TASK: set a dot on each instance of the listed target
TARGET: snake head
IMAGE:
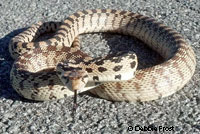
(75, 78)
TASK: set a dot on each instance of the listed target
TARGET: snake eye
(66, 79)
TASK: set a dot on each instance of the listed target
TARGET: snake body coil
(33, 74)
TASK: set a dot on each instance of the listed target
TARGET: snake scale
(34, 74)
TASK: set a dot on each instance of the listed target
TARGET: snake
(53, 68)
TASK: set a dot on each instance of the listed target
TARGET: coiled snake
(37, 70)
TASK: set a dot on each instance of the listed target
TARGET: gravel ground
(180, 111)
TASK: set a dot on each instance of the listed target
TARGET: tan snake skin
(33, 74)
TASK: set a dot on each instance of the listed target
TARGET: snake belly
(149, 84)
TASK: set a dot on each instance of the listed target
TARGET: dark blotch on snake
(117, 68)
(132, 56)
(103, 10)
(101, 62)
(71, 68)
(62, 89)
(24, 45)
(57, 38)
(118, 76)
(113, 11)
(94, 10)
(65, 95)
(77, 15)
(122, 12)
(116, 60)
(52, 97)
(102, 69)
(133, 64)
(85, 12)
(95, 78)
(70, 19)
(89, 70)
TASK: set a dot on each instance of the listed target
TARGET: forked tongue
(77, 80)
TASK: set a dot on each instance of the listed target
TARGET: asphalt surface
(179, 113)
